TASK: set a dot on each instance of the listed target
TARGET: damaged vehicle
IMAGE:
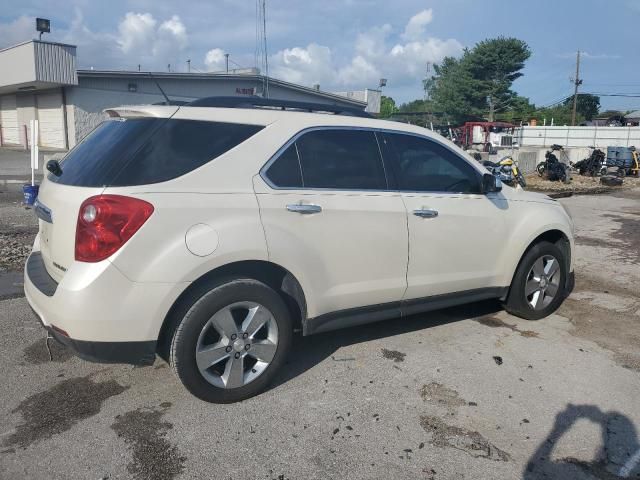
(209, 233)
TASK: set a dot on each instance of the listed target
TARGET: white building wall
(26, 111)
(601, 137)
(373, 98)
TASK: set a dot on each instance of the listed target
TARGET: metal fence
(600, 137)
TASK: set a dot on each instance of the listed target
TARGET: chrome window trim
(275, 156)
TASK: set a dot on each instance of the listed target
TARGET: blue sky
(350, 44)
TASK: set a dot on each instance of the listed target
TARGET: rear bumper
(97, 312)
(134, 353)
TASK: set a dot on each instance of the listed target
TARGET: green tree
(418, 105)
(517, 109)
(387, 107)
(588, 106)
(479, 82)
(454, 90)
(559, 114)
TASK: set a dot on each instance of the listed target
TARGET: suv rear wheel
(232, 341)
(538, 287)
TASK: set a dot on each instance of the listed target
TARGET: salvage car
(210, 233)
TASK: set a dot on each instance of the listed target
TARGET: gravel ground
(578, 184)
(18, 227)
(463, 393)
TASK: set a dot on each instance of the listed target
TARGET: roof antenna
(160, 88)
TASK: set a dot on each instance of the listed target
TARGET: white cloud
(137, 33)
(19, 30)
(214, 60)
(589, 56)
(599, 56)
(306, 66)
(411, 58)
(415, 28)
(373, 42)
(171, 39)
(360, 72)
(374, 56)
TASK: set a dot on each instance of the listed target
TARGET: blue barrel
(30, 193)
(619, 157)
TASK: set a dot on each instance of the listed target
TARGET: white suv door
(330, 219)
(455, 231)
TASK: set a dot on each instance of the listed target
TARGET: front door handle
(425, 213)
(304, 208)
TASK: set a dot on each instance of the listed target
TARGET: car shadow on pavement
(306, 352)
(618, 456)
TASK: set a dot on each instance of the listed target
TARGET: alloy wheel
(543, 282)
(237, 344)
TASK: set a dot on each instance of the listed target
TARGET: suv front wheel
(538, 286)
(232, 341)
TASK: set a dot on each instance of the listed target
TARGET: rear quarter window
(142, 151)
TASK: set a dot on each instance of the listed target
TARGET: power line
(557, 102)
(629, 95)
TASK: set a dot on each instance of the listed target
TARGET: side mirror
(491, 183)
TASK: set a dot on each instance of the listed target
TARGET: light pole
(43, 25)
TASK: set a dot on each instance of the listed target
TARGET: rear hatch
(86, 170)
(133, 148)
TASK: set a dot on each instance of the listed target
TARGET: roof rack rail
(259, 102)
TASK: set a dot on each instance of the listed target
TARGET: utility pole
(425, 85)
(577, 82)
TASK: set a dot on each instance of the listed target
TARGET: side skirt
(386, 311)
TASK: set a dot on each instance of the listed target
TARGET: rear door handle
(304, 209)
(425, 213)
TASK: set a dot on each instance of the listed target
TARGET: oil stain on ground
(494, 322)
(144, 431)
(629, 234)
(37, 352)
(394, 355)
(56, 410)
(470, 442)
(438, 394)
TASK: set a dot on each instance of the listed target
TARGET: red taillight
(105, 223)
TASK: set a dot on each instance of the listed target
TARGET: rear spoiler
(136, 111)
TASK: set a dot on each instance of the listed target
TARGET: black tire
(185, 339)
(521, 180)
(516, 302)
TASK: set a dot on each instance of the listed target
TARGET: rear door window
(284, 172)
(341, 160)
(141, 151)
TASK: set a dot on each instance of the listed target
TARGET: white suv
(209, 233)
